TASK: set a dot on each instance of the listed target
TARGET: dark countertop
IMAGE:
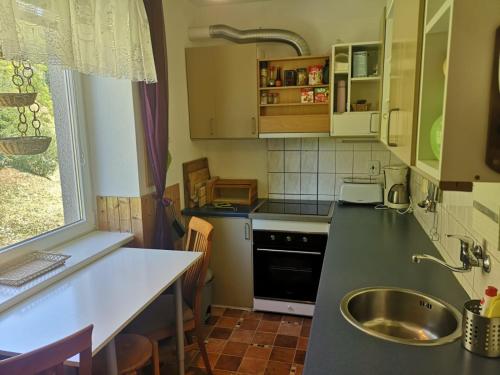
(211, 211)
(369, 247)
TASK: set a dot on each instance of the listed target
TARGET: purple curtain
(155, 118)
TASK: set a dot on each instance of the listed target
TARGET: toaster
(361, 193)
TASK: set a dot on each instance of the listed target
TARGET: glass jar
(263, 98)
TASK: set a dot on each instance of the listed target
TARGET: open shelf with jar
(294, 96)
(356, 89)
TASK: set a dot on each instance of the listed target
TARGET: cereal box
(307, 95)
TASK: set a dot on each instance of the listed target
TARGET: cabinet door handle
(254, 125)
(247, 231)
(389, 143)
(211, 124)
(371, 118)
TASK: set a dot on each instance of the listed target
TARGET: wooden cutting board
(194, 172)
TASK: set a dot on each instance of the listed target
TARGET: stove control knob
(272, 237)
(288, 239)
(304, 239)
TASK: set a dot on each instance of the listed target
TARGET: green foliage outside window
(44, 164)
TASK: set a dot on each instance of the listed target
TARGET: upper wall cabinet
(222, 91)
(356, 85)
(297, 103)
(401, 79)
(456, 76)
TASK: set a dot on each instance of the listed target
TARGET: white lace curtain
(101, 37)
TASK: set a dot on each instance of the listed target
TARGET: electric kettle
(396, 193)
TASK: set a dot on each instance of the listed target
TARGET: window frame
(76, 121)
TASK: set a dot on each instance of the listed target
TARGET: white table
(108, 293)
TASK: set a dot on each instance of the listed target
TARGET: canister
(360, 64)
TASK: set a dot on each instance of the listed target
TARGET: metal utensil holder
(481, 335)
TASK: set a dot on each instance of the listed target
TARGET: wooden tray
(242, 192)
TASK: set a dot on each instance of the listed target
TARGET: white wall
(455, 215)
(111, 121)
(320, 22)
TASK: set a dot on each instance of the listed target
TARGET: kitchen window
(45, 199)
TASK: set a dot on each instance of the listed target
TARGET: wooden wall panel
(134, 215)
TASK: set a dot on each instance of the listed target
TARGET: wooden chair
(133, 352)
(50, 358)
(151, 322)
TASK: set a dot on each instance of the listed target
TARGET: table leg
(111, 363)
(179, 325)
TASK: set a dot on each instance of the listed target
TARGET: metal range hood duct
(251, 36)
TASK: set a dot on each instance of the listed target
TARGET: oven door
(291, 275)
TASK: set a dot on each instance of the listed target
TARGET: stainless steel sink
(402, 315)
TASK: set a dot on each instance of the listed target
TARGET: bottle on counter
(490, 293)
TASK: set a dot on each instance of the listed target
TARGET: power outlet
(374, 167)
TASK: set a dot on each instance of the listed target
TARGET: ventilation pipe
(251, 36)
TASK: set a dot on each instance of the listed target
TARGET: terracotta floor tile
(264, 338)
(282, 354)
(286, 341)
(298, 369)
(206, 331)
(272, 317)
(268, 326)
(221, 333)
(234, 313)
(212, 358)
(195, 371)
(217, 311)
(222, 372)
(300, 356)
(303, 342)
(248, 343)
(307, 322)
(215, 345)
(305, 331)
(249, 324)
(258, 352)
(242, 335)
(212, 320)
(292, 319)
(252, 366)
(237, 349)
(252, 315)
(227, 322)
(278, 368)
(228, 363)
(290, 329)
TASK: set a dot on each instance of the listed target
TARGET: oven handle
(291, 251)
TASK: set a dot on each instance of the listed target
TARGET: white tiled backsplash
(454, 216)
(314, 168)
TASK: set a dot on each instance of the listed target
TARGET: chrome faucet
(471, 255)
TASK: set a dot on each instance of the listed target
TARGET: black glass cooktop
(295, 207)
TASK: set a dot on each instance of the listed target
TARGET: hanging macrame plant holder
(23, 144)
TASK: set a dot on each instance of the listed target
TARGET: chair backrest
(50, 358)
(199, 239)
